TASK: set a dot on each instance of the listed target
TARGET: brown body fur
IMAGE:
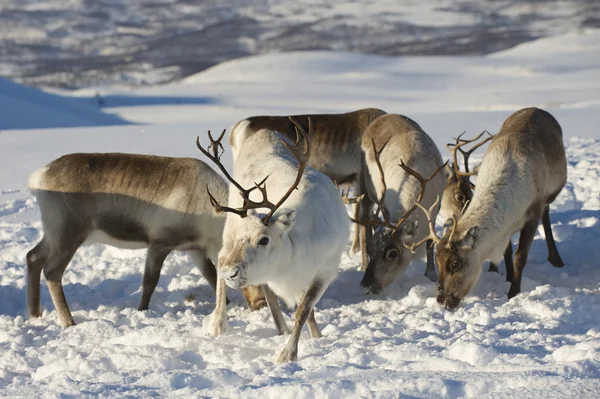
(126, 200)
(522, 172)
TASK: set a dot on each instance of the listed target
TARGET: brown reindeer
(128, 201)
(398, 153)
(522, 172)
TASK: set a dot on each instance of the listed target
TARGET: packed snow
(543, 343)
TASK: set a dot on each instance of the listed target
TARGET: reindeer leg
(314, 292)
(508, 262)
(553, 255)
(53, 271)
(355, 246)
(36, 259)
(364, 209)
(430, 270)
(313, 326)
(218, 318)
(525, 240)
(155, 258)
(273, 303)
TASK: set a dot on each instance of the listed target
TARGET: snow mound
(28, 108)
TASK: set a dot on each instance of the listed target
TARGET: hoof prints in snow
(399, 342)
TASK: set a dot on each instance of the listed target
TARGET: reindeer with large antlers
(522, 172)
(398, 154)
(336, 152)
(291, 248)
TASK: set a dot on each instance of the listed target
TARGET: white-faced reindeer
(128, 201)
(336, 150)
(294, 249)
(522, 172)
(398, 153)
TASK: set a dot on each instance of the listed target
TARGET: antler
(214, 146)
(466, 154)
(423, 182)
(432, 234)
(302, 158)
(380, 204)
(344, 195)
(248, 204)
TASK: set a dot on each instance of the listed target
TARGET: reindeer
(462, 188)
(336, 151)
(522, 172)
(128, 201)
(397, 152)
(294, 249)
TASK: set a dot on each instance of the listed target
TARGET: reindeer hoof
(217, 324)
(287, 356)
(555, 260)
(431, 275)
(67, 322)
(513, 292)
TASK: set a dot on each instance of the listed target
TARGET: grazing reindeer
(398, 152)
(459, 188)
(336, 150)
(522, 172)
(128, 201)
(294, 250)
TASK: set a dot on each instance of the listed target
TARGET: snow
(543, 343)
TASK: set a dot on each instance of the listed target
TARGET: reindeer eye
(263, 241)
(391, 254)
(460, 197)
(455, 266)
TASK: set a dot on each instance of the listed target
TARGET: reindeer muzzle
(235, 277)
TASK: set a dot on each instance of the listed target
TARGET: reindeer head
(388, 256)
(459, 188)
(254, 242)
(251, 249)
(458, 263)
(457, 192)
(389, 249)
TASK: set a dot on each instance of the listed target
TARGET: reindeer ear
(469, 239)
(286, 218)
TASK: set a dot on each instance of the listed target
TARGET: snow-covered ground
(544, 343)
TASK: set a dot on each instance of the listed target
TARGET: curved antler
(432, 234)
(466, 154)
(345, 195)
(302, 158)
(215, 146)
(380, 204)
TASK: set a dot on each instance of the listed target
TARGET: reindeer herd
(277, 226)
